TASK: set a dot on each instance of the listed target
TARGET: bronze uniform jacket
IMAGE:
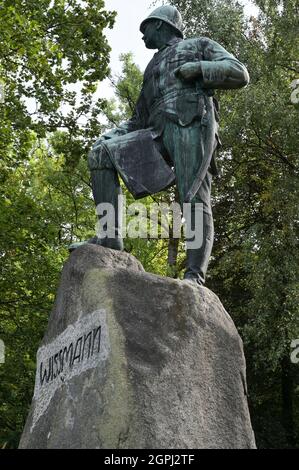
(164, 95)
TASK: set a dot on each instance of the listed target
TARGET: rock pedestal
(132, 360)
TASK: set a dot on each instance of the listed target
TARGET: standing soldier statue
(173, 134)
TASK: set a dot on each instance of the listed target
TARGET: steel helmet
(168, 14)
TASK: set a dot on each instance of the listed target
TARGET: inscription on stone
(75, 352)
(82, 346)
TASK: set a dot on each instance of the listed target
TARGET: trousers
(185, 147)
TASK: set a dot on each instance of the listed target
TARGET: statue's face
(150, 35)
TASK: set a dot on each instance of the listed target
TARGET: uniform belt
(173, 94)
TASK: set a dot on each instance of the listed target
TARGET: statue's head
(165, 19)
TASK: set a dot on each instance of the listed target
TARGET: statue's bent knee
(98, 158)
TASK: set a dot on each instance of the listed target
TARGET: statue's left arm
(218, 69)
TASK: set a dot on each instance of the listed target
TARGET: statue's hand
(110, 134)
(189, 71)
(116, 132)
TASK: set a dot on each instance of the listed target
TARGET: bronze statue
(173, 135)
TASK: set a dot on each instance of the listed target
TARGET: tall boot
(198, 258)
(106, 189)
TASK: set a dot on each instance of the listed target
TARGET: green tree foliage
(46, 48)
